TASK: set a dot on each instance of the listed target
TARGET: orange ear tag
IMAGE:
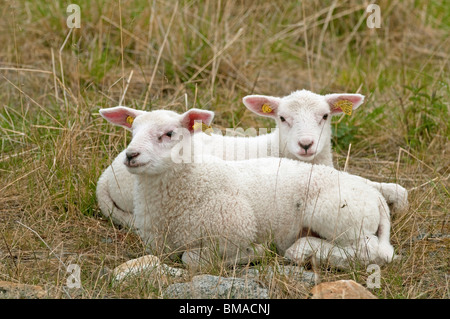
(266, 108)
(345, 105)
(202, 126)
(130, 120)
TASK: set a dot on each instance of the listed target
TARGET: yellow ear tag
(345, 105)
(266, 108)
(202, 126)
(130, 120)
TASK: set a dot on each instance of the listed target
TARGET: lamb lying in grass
(230, 208)
(304, 122)
(304, 133)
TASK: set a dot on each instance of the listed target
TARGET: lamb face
(304, 124)
(303, 118)
(153, 138)
(154, 135)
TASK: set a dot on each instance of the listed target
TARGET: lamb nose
(305, 146)
(131, 155)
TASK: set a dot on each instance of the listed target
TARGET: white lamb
(231, 207)
(304, 122)
(304, 133)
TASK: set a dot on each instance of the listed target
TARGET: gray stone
(106, 240)
(214, 287)
(293, 272)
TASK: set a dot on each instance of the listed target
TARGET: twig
(430, 181)
(7, 157)
(54, 75)
(62, 69)
(186, 101)
(126, 88)
(25, 70)
(405, 151)
(160, 54)
(238, 34)
(10, 254)
(130, 34)
(348, 157)
(308, 58)
(324, 28)
(18, 179)
(39, 236)
(121, 42)
(31, 99)
(51, 251)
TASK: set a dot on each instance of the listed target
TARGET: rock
(106, 240)
(148, 263)
(11, 290)
(293, 272)
(214, 287)
(342, 289)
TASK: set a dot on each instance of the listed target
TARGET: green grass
(54, 145)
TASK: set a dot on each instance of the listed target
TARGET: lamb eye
(282, 119)
(325, 116)
(169, 134)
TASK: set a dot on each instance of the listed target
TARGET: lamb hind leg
(396, 196)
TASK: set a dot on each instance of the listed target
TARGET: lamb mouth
(306, 155)
(135, 165)
(308, 232)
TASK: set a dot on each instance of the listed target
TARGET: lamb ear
(344, 103)
(190, 117)
(120, 115)
(262, 104)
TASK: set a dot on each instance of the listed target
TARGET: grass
(54, 145)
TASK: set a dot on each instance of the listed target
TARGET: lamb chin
(306, 157)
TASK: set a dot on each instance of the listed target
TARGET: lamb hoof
(386, 253)
(299, 254)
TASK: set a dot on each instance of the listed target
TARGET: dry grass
(54, 145)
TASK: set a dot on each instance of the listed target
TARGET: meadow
(209, 54)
